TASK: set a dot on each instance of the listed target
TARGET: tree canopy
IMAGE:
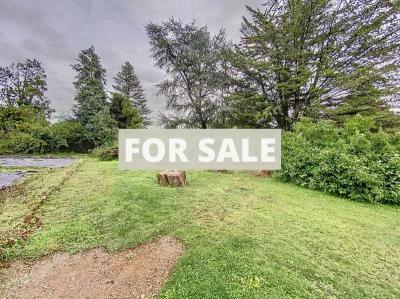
(303, 57)
(24, 83)
(196, 78)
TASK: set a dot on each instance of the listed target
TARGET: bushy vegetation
(106, 152)
(66, 136)
(25, 130)
(357, 161)
(21, 129)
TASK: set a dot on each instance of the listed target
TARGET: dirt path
(136, 273)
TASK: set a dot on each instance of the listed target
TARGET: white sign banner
(186, 149)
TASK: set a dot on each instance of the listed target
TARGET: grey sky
(54, 31)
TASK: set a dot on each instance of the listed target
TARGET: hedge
(358, 161)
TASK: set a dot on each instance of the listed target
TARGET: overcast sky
(54, 31)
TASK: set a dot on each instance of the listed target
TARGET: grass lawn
(245, 237)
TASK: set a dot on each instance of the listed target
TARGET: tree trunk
(172, 178)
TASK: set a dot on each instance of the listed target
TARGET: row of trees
(99, 115)
(25, 107)
(324, 59)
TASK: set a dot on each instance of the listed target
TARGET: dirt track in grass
(136, 273)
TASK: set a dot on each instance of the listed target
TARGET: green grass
(245, 237)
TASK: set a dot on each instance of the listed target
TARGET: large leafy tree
(127, 83)
(24, 84)
(91, 108)
(123, 112)
(306, 57)
(192, 60)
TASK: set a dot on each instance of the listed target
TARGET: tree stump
(172, 178)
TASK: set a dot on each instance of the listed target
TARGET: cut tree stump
(172, 178)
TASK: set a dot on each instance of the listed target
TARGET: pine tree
(127, 83)
(91, 108)
(302, 57)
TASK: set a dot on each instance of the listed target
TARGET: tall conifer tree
(91, 108)
(127, 83)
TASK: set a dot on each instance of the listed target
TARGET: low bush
(67, 136)
(357, 161)
(20, 142)
(106, 153)
(20, 129)
(24, 130)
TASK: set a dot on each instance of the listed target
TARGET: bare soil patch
(136, 273)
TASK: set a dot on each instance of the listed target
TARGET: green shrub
(20, 142)
(106, 152)
(67, 136)
(20, 130)
(357, 161)
(25, 130)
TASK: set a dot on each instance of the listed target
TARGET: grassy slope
(245, 237)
